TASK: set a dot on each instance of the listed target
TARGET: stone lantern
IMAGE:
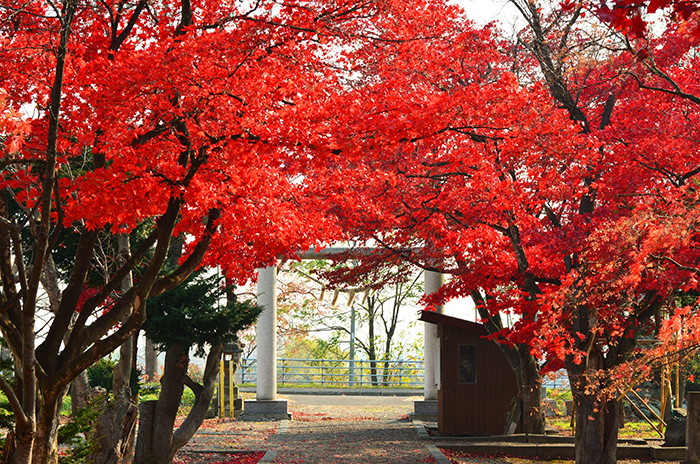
(232, 353)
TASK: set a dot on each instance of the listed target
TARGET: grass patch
(632, 429)
(638, 429)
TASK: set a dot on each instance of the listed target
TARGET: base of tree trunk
(116, 431)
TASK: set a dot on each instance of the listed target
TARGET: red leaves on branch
(233, 114)
(631, 16)
(551, 220)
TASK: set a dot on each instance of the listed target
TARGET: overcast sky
(484, 11)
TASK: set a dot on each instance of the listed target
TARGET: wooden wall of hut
(477, 383)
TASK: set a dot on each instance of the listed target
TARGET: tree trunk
(387, 353)
(597, 419)
(45, 450)
(203, 396)
(530, 382)
(116, 428)
(151, 361)
(386, 372)
(371, 343)
(22, 451)
(115, 431)
(156, 442)
(158, 450)
(81, 393)
(144, 439)
(172, 387)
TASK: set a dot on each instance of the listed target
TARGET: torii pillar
(428, 408)
(266, 405)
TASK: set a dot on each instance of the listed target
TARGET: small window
(467, 364)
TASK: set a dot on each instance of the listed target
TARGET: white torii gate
(266, 405)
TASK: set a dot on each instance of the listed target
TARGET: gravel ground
(360, 430)
(353, 430)
(349, 442)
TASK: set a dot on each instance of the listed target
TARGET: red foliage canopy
(577, 216)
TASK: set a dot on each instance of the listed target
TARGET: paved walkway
(352, 442)
(349, 429)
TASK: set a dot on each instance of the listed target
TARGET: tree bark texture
(45, 448)
(530, 383)
(203, 395)
(597, 418)
(157, 443)
(151, 361)
(115, 431)
(144, 439)
(597, 410)
(372, 343)
(81, 393)
(22, 451)
(116, 428)
(159, 449)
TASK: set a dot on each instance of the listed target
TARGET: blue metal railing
(340, 372)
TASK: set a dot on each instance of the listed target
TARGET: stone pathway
(348, 430)
(348, 442)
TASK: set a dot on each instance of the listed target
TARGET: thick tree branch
(116, 279)
(22, 419)
(82, 337)
(69, 300)
(203, 394)
(193, 260)
(118, 39)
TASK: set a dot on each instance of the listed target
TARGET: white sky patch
(484, 11)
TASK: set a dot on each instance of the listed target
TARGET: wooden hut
(477, 384)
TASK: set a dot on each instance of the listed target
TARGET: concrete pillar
(430, 337)
(266, 405)
(433, 282)
(427, 409)
(692, 429)
(266, 333)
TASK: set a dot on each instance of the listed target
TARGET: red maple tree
(200, 119)
(559, 188)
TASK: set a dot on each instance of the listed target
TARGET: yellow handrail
(222, 372)
(230, 389)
